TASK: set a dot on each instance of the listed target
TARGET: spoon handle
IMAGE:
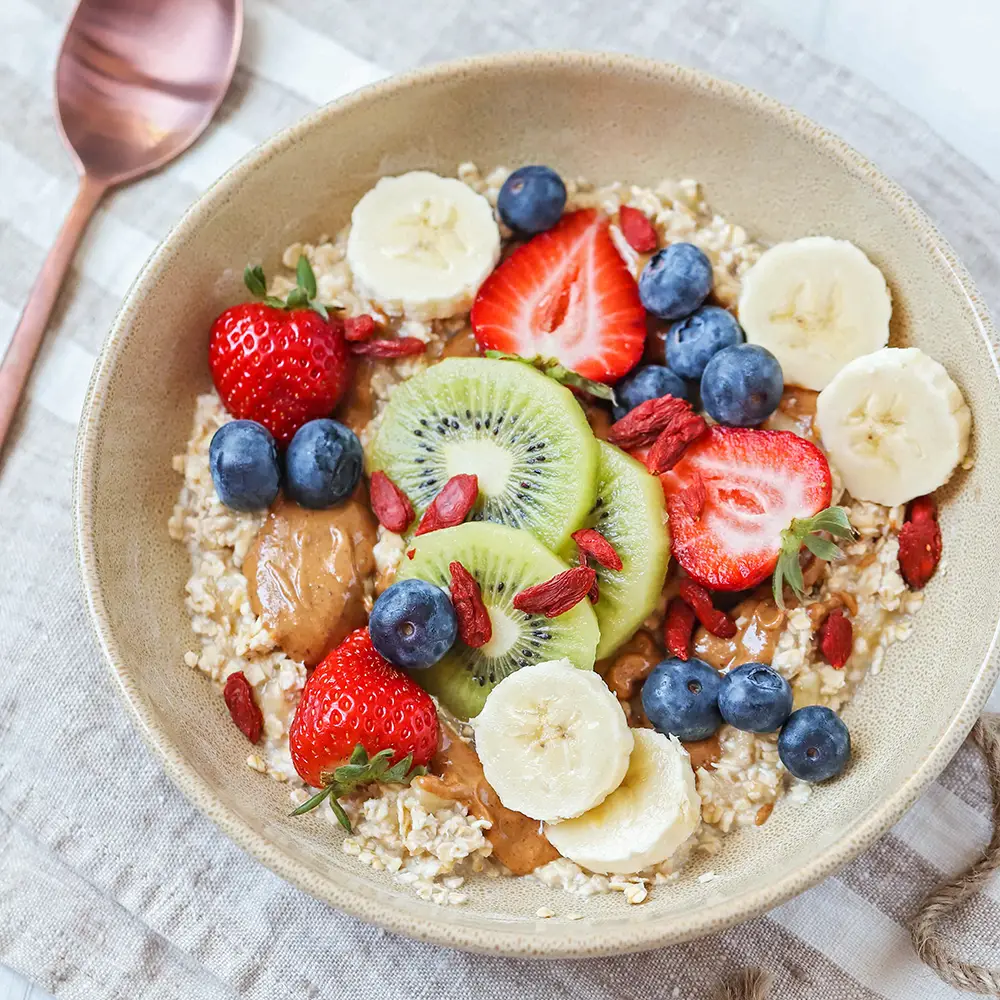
(16, 365)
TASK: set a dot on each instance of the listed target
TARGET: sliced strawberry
(755, 482)
(566, 294)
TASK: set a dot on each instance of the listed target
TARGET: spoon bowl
(137, 81)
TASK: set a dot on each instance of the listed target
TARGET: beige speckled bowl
(605, 117)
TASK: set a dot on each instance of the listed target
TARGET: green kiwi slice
(629, 511)
(503, 562)
(520, 432)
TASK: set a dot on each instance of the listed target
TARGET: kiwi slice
(520, 432)
(629, 511)
(503, 561)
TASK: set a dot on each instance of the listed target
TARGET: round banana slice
(421, 245)
(654, 810)
(815, 304)
(553, 740)
(894, 425)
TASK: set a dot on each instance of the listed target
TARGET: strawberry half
(755, 483)
(566, 294)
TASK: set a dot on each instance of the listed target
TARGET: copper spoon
(137, 81)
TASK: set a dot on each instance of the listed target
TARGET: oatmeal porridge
(482, 577)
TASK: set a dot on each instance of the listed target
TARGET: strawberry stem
(560, 373)
(359, 771)
(805, 531)
(302, 296)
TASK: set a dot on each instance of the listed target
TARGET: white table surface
(936, 60)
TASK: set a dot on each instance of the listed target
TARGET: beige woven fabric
(111, 886)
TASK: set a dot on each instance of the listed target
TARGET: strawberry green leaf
(357, 772)
(305, 278)
(297, 299)
(253, 278)
(805, 531)
(560, 373)
(274, 301)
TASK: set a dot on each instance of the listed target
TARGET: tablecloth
(111, 885)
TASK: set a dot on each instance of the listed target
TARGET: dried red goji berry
(474, 625)
(452, 505)
(836, 638)
(642, 426)
(639, 232)
(919, 551)
(677, 628)
(358, 328)
(923, 509)
(398, 348)
(592, 543)
(717, 622)
(410, 553)
(389, 503)
(673, 440)
(242, 708)
(556, 596)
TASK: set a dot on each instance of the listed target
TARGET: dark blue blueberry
(755, 698)
(814, 744)
(742, 385)
(244, 462)
(413, 624)
(648, 382)
(532, 200)
(692, 342)
(682, 697)
(675, 281)
(322, 464)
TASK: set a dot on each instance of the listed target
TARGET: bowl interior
(604, 118)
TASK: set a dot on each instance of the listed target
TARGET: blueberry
(648, 382)
(814, 744)
(413, 624)
(755, 698)
(742, 385)
(675, 281)
(692, 342)
(532, 200)
(322, 464)
(243, 459)
(682, 697)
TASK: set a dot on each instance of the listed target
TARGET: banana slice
(894, 425)
(815, 304)
(553, 740)
(654, 810)
(421, 245)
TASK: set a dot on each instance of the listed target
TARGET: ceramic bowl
(605, 117)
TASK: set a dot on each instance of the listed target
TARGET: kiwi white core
(505, 633)
(486, 460)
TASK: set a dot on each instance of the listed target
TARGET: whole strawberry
(279, 363)
(360, 720)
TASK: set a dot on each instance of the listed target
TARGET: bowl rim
(521, 938)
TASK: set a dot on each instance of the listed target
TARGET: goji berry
(642, 426)
(836, 638)
(474, 625)
(639, 232)
(717, 622)
(242, 708)
(673, 440)
(919, 551)
(556, 596)
(358, 328)
(592, 543)
(452, 505)
(677, 628)
(389, 503)
(398, 348)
